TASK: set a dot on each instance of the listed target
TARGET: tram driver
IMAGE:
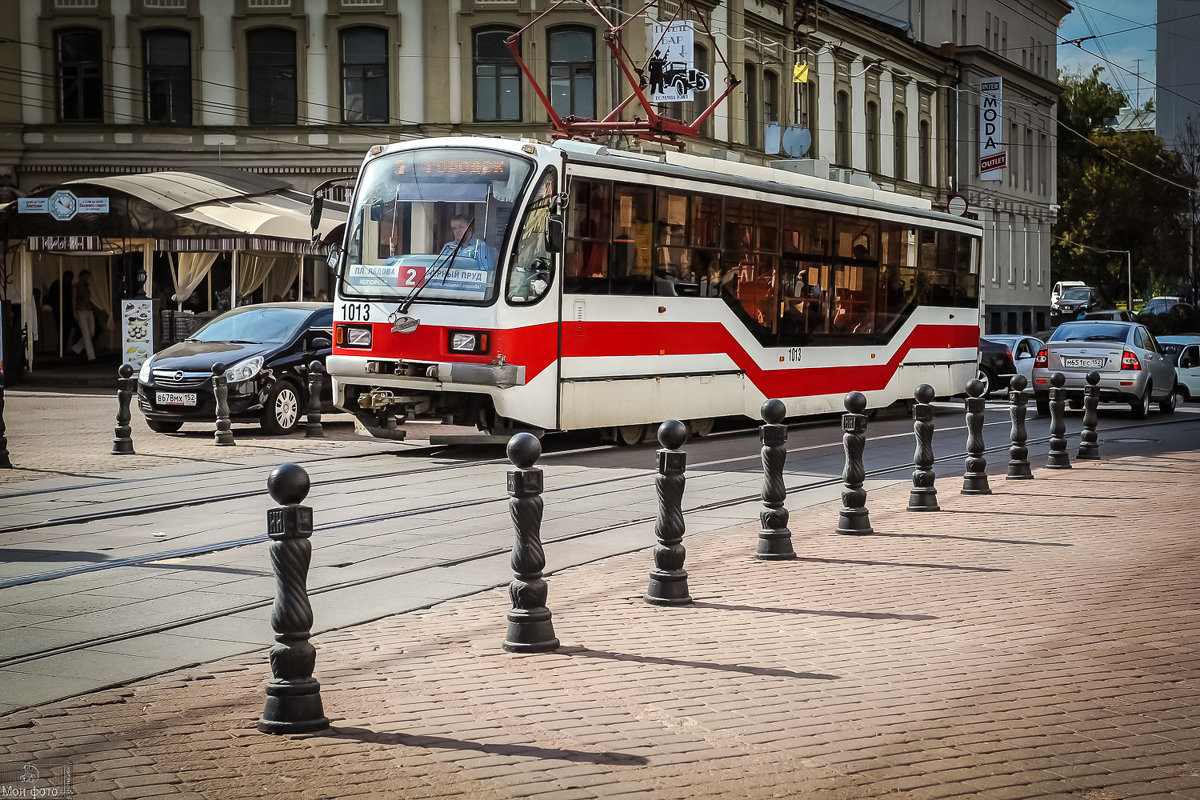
(474, 247)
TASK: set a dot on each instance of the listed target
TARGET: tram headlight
(469, 342)
(352, 336)
(244, 370)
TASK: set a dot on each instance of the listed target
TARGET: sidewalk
(1038, 642)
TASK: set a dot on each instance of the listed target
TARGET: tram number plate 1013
(356, 312)
(793, 354)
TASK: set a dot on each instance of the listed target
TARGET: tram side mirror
(554, 233)
(314, 211)
(334, 260)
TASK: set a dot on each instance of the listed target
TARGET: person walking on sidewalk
(85, 318)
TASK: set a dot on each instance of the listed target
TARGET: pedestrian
(85, 317)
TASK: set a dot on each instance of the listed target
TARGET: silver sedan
(1133, 368)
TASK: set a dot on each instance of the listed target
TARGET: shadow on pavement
(898, 563)
(440, 742)
(823, 613)
(983, 539)
(675, 662)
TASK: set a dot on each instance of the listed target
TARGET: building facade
(1177, 61)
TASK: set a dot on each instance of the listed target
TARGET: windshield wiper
(438, 266)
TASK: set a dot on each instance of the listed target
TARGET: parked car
(1133, 367)
(1075, 302)
(1184, 352)
(1165, 316)
(1001, 356)
(1110, 313)
(1158, 305)
(263, 347)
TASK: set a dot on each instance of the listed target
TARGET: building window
(899, 146)
(167, 67)
(750, 104)
(1043, 163)
(923, 150)
(573, 72)
(364, 57)
(497, 77)
(703, 99)
(271, 65)
(872, 137)
(770, 101)
(841, 129)
(79, 80)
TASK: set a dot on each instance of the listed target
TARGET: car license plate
(175, 398)
(1083, 362)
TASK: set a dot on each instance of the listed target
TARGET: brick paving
(1038, 642)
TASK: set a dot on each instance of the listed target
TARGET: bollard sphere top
(924, 394)
(672, 434)
(126, 370)
(523, 450)
(975, 387)
(856, 402)
(316, 366)
(1057, 380)
(1017, 383)
(1093, 378)
(288, 484)
(219, 368)
(773, 411)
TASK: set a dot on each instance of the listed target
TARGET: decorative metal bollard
(975, 479)
(294, 695)
(5, 461)
(775, 540)
(529, 627)
(854, 519)
(1018, 453)
(668, 579)
(313, 429)
(923, 496)
(224, 433)
(1089, 447)
(1058, 457)
(126, 385)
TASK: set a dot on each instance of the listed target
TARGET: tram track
(792, 490)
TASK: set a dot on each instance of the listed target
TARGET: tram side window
(750, 263)
(897, 276)
(633, 237)
(705, 236)
(806, 232)
(855, 285)
(966, 273)
(588, 240)
(532, 268)
(672, 257)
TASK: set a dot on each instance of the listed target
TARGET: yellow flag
(800, 73)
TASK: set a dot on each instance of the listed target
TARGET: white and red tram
(525, 286)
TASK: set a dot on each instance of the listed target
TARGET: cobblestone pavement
(1043, 641)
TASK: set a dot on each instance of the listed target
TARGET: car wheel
(1141, 408)
(163, 426)
(281, 411)
(1043, 405)
(1168, 403)
(988, 379)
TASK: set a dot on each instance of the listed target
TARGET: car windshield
(1090, 332)
(1077, 293)
(254, 325)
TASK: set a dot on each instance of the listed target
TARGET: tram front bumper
(435, 376)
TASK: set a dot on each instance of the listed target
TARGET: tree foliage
(1118, 191)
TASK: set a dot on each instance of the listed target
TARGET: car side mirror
(1023, 356)
(321, 343)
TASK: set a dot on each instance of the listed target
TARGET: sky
(1123, 48)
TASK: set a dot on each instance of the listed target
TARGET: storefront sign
(993, 157)
(62, 205)
(671, 69)
(137, 331)
(36, 243)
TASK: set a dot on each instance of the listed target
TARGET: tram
(517, 285)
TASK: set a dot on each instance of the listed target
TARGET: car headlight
(144, 372)
(244, 370)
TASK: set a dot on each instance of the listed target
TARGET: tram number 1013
(793, 354)
(356, 312)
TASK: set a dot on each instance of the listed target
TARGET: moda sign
(993, 158)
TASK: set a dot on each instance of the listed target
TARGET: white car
(1185, 352)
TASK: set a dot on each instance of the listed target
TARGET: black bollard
(224, 433)
(1058, 457)
(775, 540)
(668, 579)
(923, 496)
(1018, 453)
(854, 519)
(294, 696)
(313, 429)
(529, 627)
(122, 442)
(1089, 447)
(975, 479)
(5, 461)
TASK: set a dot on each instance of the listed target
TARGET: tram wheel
(701, 427)
(629, 435)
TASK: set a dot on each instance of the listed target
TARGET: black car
(262, 347)
(1074, 302)
(1001, 356)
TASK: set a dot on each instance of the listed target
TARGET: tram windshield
(432, 221)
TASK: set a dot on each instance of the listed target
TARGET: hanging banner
(993, 157)
(671, 68)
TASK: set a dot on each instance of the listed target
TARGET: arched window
(872, 137)
(363, 53)
(573, 72)
(79, 79)
(923, 152)
(841, 129)
(167, 67)
(497, 77)
(899, 146)
(770, 101)
(271, 76)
